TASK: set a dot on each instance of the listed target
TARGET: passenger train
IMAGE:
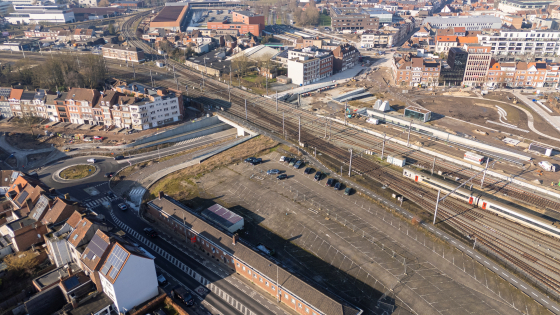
(534, 220)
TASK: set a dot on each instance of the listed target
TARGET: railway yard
(364, 248)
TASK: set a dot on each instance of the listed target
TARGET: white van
(91, 160)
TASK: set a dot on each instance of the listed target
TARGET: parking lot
(352, 246)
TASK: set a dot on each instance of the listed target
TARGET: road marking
(534, 293)
(494, 267)
(504, 274)
(544, 301)
(523, 287)
(469, 251)
(513, 280)
(486, 262)
(555, 308)
(461, 246)
(477, 256)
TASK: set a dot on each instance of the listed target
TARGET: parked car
(119, 157)
(97, 138)
(122, 206)
(330, 182)
(273, 172)
(308, 170)
(91, 160)
(67, 149)
(109, 175)
(282, 158)
(256, 161)
(161, 280)
(111, 195)
(348, 191)
(337, 186)
(292, 162)
(318, 176)
(281, 176)
(298, 164)
(150, 232)
(183, 294)
(249, 160)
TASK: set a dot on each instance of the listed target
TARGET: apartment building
(416, 71)
(244, 21)
(79, 103)
(345, 56)
(5, 109)
(522, 42)
(444, 43)
(39, 108)
(126, 53)
(513, 6)
(351, 18)
(309, 65)
(453, 69)
(377, 39)
(470, 23)
(150, 107)
(478, 62)
(56, 107)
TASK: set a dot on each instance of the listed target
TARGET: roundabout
(75, 172)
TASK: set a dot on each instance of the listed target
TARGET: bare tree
(241, 64)
(21, 262)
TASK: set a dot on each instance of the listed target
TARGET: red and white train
(543, 223)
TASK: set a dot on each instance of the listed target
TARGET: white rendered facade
(537, 42)
(24, 14)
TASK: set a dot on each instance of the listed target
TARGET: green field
(324, 20)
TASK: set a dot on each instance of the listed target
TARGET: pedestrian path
(195, 275)
(137, 191)
(188, 141)
(96, 202)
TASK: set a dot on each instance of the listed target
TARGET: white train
(534, 220)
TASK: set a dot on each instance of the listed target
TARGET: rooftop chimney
(19, 188)
(69, 270)
(160, 195)
(235, 238)
(67, 196)
(28, 203)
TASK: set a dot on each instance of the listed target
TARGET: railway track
(489, 230)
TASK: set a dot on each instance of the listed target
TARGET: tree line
(57, 72)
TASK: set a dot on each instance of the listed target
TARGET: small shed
(283, 79)
(397, 160)
(418, 113)
(224, 218)
(541, 149)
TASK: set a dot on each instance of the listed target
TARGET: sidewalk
(552, 120)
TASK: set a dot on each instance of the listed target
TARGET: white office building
(512, 6)
(24, 14)
(520, 42)
(470, 23)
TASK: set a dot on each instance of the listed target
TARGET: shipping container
(396, 160)
(473, 157)
(547, 166)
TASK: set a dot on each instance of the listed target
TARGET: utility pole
(350, 165)
(299, 129)
(433, 165)
(151, 78)
(134, 71)
(276, 101)
(484, 174)
(408, 139)
(299, 100)
(326, 121)
(283, 130)
(383, 148)
(437, 203)
(345, 109)
(246, 110)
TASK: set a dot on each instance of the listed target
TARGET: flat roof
(221, 215)
(168, 14)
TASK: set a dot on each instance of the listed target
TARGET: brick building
(238, 255)
(126, 53)
(345, 56)
(244, 22)
(350, 18)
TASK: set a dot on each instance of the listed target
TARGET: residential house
(27, 104)
(309, 65)
(14, 100)
(345, 56)
(39, 109)
(79, 103)
(5, 109)
(416, 71)
(82, 34)
(444, 43)
(126, 53)
(56, 107)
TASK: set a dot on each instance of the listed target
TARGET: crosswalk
(195, 275)
(137, 191)
(188, 141)
(97, 202)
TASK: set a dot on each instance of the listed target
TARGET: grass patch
(250, 78)
(182, 186)
(77, 171)
(324, 20)
(170, 310)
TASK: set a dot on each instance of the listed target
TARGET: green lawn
(78, 172)
(324, 20)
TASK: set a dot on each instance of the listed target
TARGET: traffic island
(77, 172)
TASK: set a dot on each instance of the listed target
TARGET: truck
(373, 121)
(183, 294)
(473, 157)
(547, 166)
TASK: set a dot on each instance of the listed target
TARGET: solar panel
(22, 197)
(116, 259)
(40, 207)
(15, 176)
(97, 247)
